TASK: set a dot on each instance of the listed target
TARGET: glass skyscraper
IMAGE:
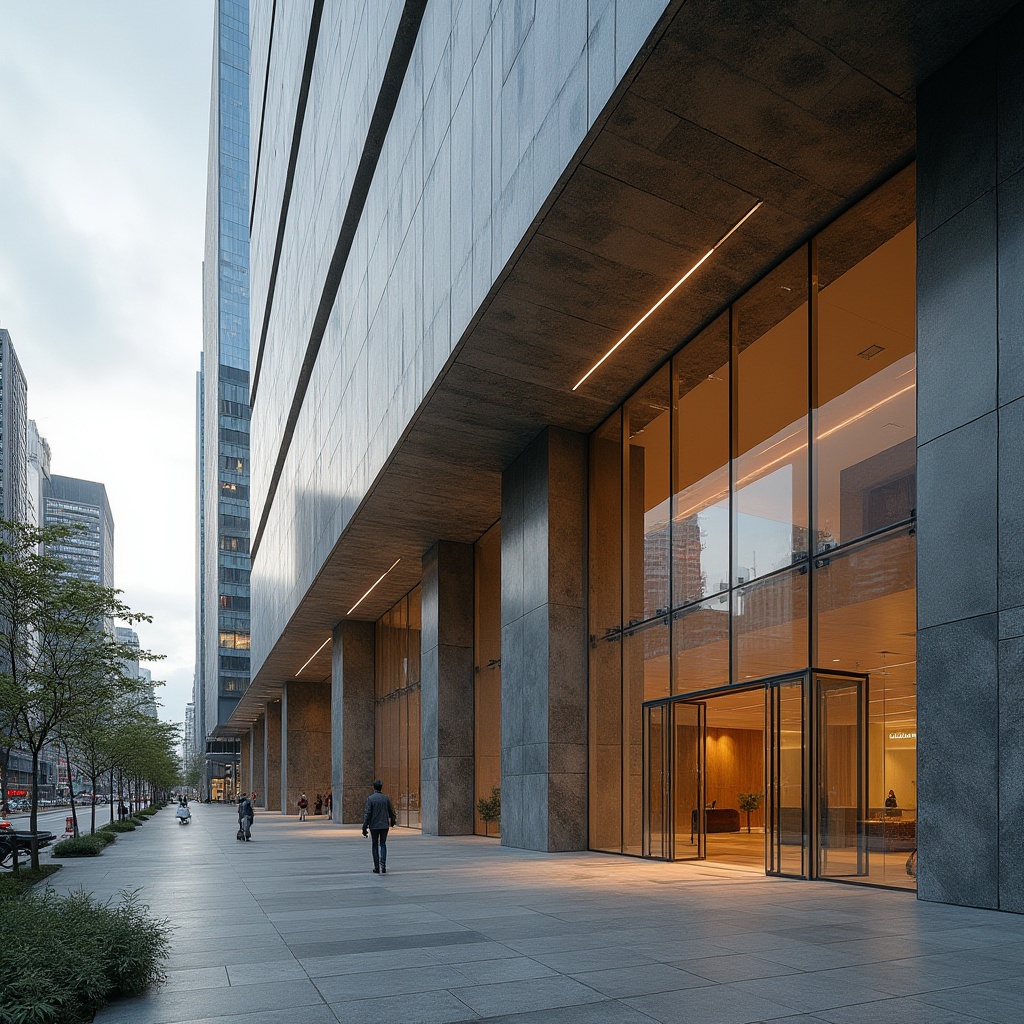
(223, 580)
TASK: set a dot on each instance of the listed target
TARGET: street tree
(59, 658)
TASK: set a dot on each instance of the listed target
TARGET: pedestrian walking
(378, 817)
(303, 804)
(329, 802)
(246, 813)
(318, 807)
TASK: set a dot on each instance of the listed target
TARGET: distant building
(38, 474)
(13, 433)
(82, 505)
(223, 584)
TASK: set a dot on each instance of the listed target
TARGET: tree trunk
(33, 820)
(94, 781)
(111, 794)
(71, 787)
(5, 760)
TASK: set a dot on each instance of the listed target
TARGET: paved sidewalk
(294, 928)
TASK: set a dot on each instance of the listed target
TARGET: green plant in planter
(490, 809)
(750, 802)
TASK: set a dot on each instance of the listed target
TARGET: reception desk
(717, 819)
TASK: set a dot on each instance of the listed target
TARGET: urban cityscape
(566, 461)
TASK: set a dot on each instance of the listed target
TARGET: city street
(293, 928)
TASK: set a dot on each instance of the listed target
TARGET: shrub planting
(83, 846)
(119, 826)
(74, 954)
(14, 883)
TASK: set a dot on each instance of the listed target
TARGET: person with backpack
(246, 814)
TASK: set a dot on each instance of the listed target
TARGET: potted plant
(489, 809)
(750, 802)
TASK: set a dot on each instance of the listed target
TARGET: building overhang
(803, 107)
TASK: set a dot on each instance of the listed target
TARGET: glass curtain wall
(487, 672)
(396, 747)
(752, 515)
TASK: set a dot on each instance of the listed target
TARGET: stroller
(183, 814)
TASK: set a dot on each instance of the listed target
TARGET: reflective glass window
(769, 626)
(646, 506)
(700, 645)
(700, 466)
(605, 508)
(770, 486)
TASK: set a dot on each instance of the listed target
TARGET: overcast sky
(104, 124)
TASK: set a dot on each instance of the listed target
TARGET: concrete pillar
(544, 645)
(446, 690)
(272, 758)
(259, 773)
(306, 742)
(245, 763)
(352, 718)
(970, 487)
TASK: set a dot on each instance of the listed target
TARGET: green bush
(83, 846)
(119, 826)
(14, 883)
(106, 838)
(147, 812)
(74, 954)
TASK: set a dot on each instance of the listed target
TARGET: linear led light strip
(370, 591)
(313, 655)
(673, 289)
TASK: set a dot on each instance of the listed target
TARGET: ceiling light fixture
(370, 591)
(672, 290)
(314, 654)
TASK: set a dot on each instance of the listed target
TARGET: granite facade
(259, 761)
(970, 482)
(274, 753)
(352, 690)
(543, 653)
(446, 690)
(305, 741)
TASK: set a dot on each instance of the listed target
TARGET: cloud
(104, 122)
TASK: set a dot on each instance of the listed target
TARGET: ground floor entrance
(775, 777)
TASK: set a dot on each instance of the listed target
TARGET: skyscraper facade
(13, 433)
(636, 416)
(83, 506)
(38, 473)
(224, 417)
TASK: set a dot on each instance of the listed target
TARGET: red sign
(17, 792)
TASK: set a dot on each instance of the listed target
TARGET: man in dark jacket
(378, 817)
(245, 816)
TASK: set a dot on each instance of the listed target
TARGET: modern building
(224, 417)
(81, 505)
(38, 474)
(14, 453)
(636, 414)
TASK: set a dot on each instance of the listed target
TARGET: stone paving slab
(293, 928)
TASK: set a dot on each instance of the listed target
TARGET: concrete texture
(352, 722)
(446, 690)
(970, 487)
(272, 757)
(306, 748)
(259, 771)
(293, 928)
(543, 662)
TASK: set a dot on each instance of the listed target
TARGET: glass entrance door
(689, 748)
(656, 839)
(841, 774)
(674, 742)
(786, 819)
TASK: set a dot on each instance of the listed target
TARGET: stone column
(306, 743)
(272, 759)
(544, 645)
(245, 763)
(259, 772)
(352, 718)
(970, 483)
(446, 715)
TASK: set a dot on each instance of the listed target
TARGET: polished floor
(293, 928)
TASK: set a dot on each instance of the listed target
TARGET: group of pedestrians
(378, 819)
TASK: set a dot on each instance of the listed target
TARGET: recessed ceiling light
(370, 591)
(871, 351)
